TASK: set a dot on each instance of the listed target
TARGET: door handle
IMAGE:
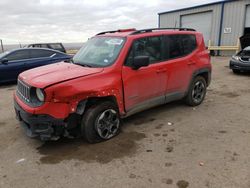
(191, 63)
(161, 70)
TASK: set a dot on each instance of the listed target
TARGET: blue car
(12, 63)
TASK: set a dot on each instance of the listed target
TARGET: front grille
(23, 91)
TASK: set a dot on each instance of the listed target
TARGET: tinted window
(44, 46)
(150, 46)
(56, 46)
(18, 55)
(179, 46)
(40, 53)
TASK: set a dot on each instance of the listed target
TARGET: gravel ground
(168, 146)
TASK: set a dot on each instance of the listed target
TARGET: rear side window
(44, 46)
(41, 53)
(149, 46)
(179, 46)
(56, 46)
(18, 55)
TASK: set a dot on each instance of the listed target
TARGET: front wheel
(100, 122)
(197, 92)
(236, 71)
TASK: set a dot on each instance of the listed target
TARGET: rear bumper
(44, 127)
(237, 65)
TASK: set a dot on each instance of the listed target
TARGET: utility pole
(1, 42)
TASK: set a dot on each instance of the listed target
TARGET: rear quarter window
(179, 45)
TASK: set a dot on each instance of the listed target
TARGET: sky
(30, 21)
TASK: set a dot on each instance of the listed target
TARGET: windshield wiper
(82, 64)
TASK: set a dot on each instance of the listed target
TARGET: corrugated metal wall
(234, 18)
(173, 19)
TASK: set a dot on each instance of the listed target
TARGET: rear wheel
(100, 122)
(197, 92)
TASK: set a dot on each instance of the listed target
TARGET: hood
(245, 41)
(55, 73)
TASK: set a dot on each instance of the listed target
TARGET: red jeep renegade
(114, 75)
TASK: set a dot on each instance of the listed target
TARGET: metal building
(221, 22)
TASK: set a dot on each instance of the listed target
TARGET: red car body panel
(66, 84)
(48, 75)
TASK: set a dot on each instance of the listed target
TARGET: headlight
(40, 94)
(237, 58)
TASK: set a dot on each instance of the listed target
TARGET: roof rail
(106, 32)
(119, 30)
(154, 29)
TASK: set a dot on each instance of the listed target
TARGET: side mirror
(4, 61)
(140, 61)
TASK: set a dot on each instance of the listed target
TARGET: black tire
(194, 100)
(91, 118)
(236, 71)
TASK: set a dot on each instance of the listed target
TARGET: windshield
(99, 52)
(3, 54)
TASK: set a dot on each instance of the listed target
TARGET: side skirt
(154, 102)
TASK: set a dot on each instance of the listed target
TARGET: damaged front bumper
(41, 126)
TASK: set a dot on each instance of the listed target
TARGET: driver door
(144, 87)
(14, 66)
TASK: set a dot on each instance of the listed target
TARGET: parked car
(55, 46)
(114, 75)
(241, 61)
(12, 63)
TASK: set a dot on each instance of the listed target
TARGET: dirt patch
(168, 164)
(169, 149)
(159, 126)
(167, 181)
(2, 123)
(123, 145)
(182, 184)
(245, 90)
(222, 132)
(142, 120)
(157, 134)
(230, 95)
(132, 176)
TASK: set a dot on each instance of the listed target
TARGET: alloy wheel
(198, 91)
(107, 124)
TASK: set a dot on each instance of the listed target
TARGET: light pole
(1, 43)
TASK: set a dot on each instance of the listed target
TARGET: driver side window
(18, 55)
(149, 46)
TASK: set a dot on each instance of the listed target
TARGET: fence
(224, 48)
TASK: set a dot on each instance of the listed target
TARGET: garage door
(201, 22)
(248, 16)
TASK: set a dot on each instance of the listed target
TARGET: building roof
(198, 6)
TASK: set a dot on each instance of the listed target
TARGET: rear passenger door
(180, 61)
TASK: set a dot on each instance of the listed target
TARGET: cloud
(28, 21)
